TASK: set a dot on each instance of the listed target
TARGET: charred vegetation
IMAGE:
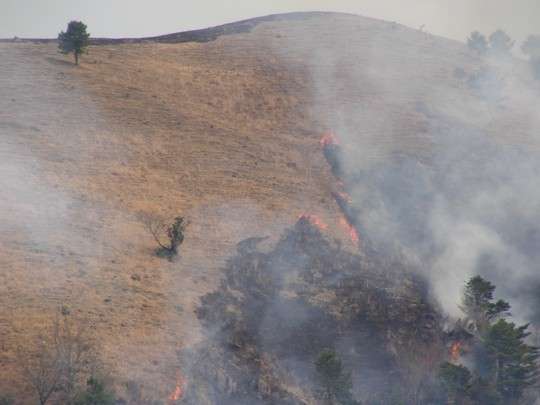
(275, 313)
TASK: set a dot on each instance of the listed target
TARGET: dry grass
(224, 133)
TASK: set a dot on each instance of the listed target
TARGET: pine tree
(479, 307)
(456, 381)
(74, 40)
(335, 384)
(513, 363)
(509, 364)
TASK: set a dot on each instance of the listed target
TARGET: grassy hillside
(224, 132)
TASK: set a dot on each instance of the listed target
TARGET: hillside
(224, 132)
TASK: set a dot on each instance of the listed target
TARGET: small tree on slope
(335, 383)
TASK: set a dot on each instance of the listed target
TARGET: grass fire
(311, 208)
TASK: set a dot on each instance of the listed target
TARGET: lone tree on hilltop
(74, 40)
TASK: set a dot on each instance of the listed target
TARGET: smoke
(440, 167)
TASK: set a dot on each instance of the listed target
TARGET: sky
(135, 18)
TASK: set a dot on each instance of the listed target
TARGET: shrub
(174, 234)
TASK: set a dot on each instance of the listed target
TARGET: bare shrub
(59, 362)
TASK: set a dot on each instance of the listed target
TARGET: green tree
(531, 47)
(513, 363)
(6, 400)
(74, 40)
(96, 393)
(500, 43)
(456, 381)
(509, 365)
(477, 42)
(335, 383)
(478, 305)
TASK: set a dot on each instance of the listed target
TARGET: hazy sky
(117, 18)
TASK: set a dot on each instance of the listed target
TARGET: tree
(477, 42)
(174, 234)
(506, 364)
(335, 384)
(6, 400)
(59, 363)
(74, 40)
(456, 380)
(513, 362)
(500, 43)
(531, 47)
(478, 305)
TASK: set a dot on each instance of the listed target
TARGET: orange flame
(327, 139)
(314, 220)
(346, 197)
(178, 392)
(455, 351)
(350, 229)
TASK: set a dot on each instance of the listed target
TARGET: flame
(353, 234)
(455, 351)
(314, 220)
(327, 139)
(346, 197)
(178, 392)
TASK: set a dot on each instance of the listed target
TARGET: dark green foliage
(74, 40)
(505, 365)
(335, 383)
(478, 304)
(482, 392)
(500, 43)
(531, 46)
(6, 400)
(174, 234)
(477, 42)
(96, 393)
(513, 363)
(455, 378)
